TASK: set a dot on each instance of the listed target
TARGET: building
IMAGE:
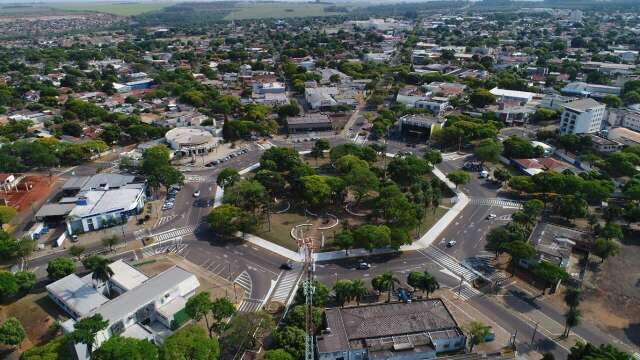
(327, 74)
(631, 119)
(419, 125)
(554, 243)
(604, 145)
(609, 68)
(191, 141)
(582, 117)
(583, 89)
(535, 166)
(624, 136)
(309, 122)
(522, 97)
(417, 330)
(326, 97)
(274, 87)
(143, 308)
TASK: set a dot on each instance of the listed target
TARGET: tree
(550, 274)
(118, 348)
(587, 351)
(516, 147)
(611, 231)
(290, 339)
(277, 354)
(361, 180)
(320, 294)
(111, 241)
(316, 190)
(60, 267)
(342, 289)
(544, 115)
(344, 240)
(477, 333)
(572, 319)
(296, 317)
(56, 349)
(488, 150)
(572, 296)
(249, 195)
(434, 157)
(86, 329)
(501, 174)
(480, 98)
(407, 169)
(227, 177)
(423, 281)
(190, 342)
(157, 168)
(221, 309)
(227, 219)
(319, 147)
(459, 177)
(272, 181)
(570, 207)
(11, 332)
(358, 290)
(605, 248)
(198, 307)
(519, 250)
(385, 282)
(8, 285)
(25, 280)
(372, 237)
(7, 213)
(76, 251)
(612, 101)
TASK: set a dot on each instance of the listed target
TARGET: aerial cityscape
(347, 180)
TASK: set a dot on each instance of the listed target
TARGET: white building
(582, 117)
(523, 97)
(631, 120)
(191, 141)
(144, 308)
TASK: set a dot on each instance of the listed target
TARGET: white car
(451, 243)
(491, 216)
(196, 193)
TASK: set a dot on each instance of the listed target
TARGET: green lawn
(277, 10)
(115, 8)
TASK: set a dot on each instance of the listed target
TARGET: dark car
(286, 266)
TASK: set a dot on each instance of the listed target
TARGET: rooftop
(582, 105)
(309, 119)
(78, 295)
(377, 321)
(104, 201)
(125, 276)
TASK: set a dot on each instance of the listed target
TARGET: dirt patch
(29, 191)
(37, 313)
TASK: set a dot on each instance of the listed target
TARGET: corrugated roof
(76, 294)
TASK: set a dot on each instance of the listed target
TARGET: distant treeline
(187, 13)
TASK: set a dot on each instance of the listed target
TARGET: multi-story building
(582, 117)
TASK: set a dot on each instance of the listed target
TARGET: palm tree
(102, 272)
(572, 297)
(343, 291)
(389, 282)
(477, 333)
(358, 290)
(572, 319)
(429, 283)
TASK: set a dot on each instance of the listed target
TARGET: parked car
(363, 266)
(286, 266)
(491, 216)
(196, 193)
(403, 295)
(451, 243)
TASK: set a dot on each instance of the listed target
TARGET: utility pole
(535, 330)
(460, 286)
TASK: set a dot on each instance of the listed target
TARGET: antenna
(309, 290)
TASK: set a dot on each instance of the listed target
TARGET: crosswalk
(452, 156)
(284, 287)
(140, 234)
(174, 233)
(504, 203)
(451, 264)
(164, 220)
(483, 263)
(466, 293)
(174, 246)
(194, 179)
(248, 304)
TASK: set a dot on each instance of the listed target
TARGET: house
(554, 243)
(309, 122)
(419, 124)
(327, 74)
(535, 166)
(624, 136)
(604, 145)
(582, 117)
(143, 308)
(420, 329)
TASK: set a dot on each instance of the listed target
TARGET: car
(363, 266)
(451, 243)
(196, 193)
(286, 266)
(404, 296)
(491, 216)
